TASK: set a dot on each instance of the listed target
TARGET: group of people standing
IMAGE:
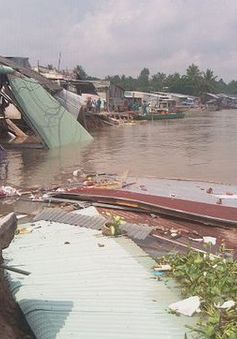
(94, 105)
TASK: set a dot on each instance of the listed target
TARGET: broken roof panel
(55, 125)
(49, 85)
(84, 285)
(134, 231)
(71, 101)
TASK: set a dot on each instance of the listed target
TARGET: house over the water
(112, 94)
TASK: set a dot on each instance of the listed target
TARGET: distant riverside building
(112, 94)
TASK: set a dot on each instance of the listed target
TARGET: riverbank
(42, 211)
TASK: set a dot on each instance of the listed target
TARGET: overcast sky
(123, 36)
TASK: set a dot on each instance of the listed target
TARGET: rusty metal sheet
(162, 226)
(211, 214)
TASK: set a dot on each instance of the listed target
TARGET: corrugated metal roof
(55, 125)
(72, 102)
(135, 231)
(59, 215)
(84, 285)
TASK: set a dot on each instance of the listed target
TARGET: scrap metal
(210, 214)
(135, 231)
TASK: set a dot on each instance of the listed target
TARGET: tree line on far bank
(193, 82)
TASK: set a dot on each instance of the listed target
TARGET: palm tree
(193, 72)
(209, 81)
(193, 80)
(209, 75)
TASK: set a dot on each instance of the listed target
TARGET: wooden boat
(160, 116)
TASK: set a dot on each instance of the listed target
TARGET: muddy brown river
(202, 146)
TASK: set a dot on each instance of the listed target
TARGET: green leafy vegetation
(114, 222)
(193, 82)
(213, 279)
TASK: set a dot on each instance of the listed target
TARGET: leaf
(233, 335)
(210, 331)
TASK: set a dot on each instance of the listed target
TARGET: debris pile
(221, 197)
(29, 114)
(198, 267)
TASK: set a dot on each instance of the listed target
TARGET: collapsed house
(29, 114)
(74, 98)
(111, 95)
(80, 98)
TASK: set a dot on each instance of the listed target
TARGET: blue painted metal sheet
(47, 117)
(83, 285)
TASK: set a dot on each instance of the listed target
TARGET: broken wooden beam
(16, 130)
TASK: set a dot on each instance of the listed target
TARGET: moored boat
(160, 116)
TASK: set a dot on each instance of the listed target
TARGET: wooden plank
(16, 130)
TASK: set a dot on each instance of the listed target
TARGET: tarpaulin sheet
(53, 123)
